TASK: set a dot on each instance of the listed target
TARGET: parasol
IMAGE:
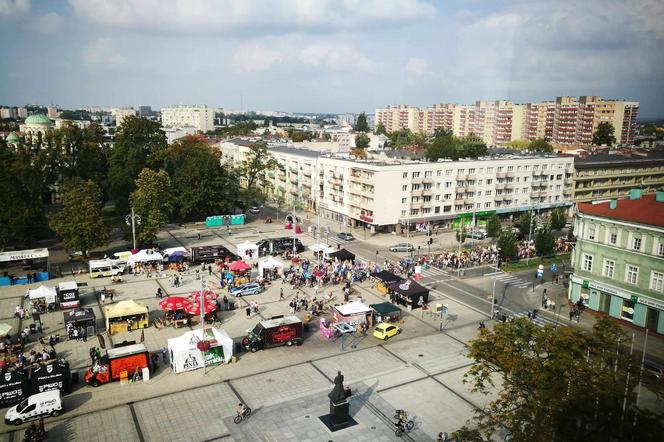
(175, 303)
(209, 295)
(194, 309)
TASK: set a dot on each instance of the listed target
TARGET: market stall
(43, 297)
(174, 308)
(13, 387)
(409, 293)
(81, 317)
(173, 254)
(68, 294)
(384, 280)
(125, 315)
(240, 272)
(144, 256)
(55, 375)
(186, 351)
(23, 266)
(386, 312)
(354, 313)
(342, 255)
(247, 250)
(270, 267)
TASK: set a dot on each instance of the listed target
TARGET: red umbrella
(208, 308)
(239, 266)
(209, 295)
(175, 303)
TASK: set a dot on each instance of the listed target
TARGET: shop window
(609, 268)
(627, 309)
(656, 281)
(631, 274)
(588, 263)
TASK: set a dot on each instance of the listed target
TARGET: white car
(255, 210)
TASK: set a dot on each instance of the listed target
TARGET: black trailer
(276, 246)
(274, 332)
(211, 254)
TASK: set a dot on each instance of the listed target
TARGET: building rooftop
(645, 210)
(605, 159)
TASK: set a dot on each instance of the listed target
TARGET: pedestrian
(199, 236)
(292, 307)
(98, 353)
(110, 295)
(281, 293)
(210, 270)
(84, 333)
(93, 355)
(571, 314)
(248, 312)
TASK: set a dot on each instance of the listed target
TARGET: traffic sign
(554, 268)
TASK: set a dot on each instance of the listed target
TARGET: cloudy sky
(329, 55)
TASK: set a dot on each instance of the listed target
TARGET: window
(405, 174)
(426, 210)
(436, 209)
(471, 171)
(627, 309)
(479, 182)
(500, 169)
(426, 198)
(656, 281)
(489, 170)
(637, 244)
(415, 199)
(448, 172)
(447, 196)
(426, 186)
(461, 171)
(416, 187)
(439, 173)
(403, 200)
(510, 168)
(591, 232)
(404, 188)
(478, 205)
(661, 249)
(479, 193)
(437, 197)
(613, 238)
(428, 173)
(488, 192)
(448, 184)
(481, 169)
(588, 263)
(609, 268)
(489, 181)
(403, 213)
(447, 209)
(416, 174)
(487, 205)
(631, 274)
(526, 168)
(458, 207)
(414, 211)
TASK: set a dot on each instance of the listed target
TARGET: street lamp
(493, 292)
(132, 220)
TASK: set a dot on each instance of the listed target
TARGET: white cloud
(336, 57)
(48, 23)
(255, 58)
(262, 16)
(102, 53)
(417, 66)
(13, 8)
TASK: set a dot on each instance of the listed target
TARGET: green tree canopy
(558, 218)
(544, 241)
(153, 202)
(493, 226)
(361, 124)
(507, 245)
(604, 135)
(362, 140)
(253, 171)
(139, 143)
(443, 145)
(540, 145)
(79, 223)
(201, 185)
(524, 224)
(558, 384)
(473, 146)
(401, 139)
(518, 144)
(380, 129)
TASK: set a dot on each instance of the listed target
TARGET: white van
(34, 407)
(105, 267)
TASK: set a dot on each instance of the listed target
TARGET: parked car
(477, 234)
(385, 331)
(255, 210)
(402, 247)
(655, 369)
(250, 288)
(346, 236)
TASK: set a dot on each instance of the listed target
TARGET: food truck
(119, 362)
(68, 294)
(273, 332)
(105, 267)
(211, 254)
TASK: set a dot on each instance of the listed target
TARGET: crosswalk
(540, 320)
(512, 280)
(434, 272)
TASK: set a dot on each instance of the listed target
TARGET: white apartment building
(201, 117)
(387, 196)
(121, 113)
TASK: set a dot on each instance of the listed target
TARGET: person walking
(209, 270)
(248, 312)
(281, 294)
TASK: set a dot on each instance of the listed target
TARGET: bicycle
(245, 414)
(404, 424)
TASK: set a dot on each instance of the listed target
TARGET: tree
(79, 223)
(524, 224)
(558, 218)
(362, 140)
(544, 241)
(443, 145)
(401, 138)
(473, 146)
(139, 143)
(153, 202)
(558, 384)
(603, 135)
(201, 185)
(361, 124)
(253, 170)
(518, 144)
(380, 129)
(493, 226)
(507, 245)
(540, 145)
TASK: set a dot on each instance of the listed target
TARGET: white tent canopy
(247, 250)
(185, 356)
(42, 291)
(145, 255)
(270, 263)
(353, 308)
(320, 247)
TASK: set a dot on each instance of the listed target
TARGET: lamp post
(132, 220)
(530, 232)
(493, 292)
(201, 304)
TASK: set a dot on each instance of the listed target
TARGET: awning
(353, 308)
(342, 255)
(79, 315)
(385, 308)
(19, 255)
(387, 278)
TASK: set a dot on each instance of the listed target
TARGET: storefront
(125, 315)
(23, 266)
(480, 219)
(618, 303)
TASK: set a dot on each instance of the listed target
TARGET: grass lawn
(516, 266)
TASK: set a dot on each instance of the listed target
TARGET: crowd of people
(455, 259)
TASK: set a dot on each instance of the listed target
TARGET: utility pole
(132, 220)
(493, 292)
(530, 232)
(460, 242)
(201, 301)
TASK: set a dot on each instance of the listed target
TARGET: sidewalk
(558, 293)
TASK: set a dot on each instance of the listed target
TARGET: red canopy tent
(239, 266)
(175, 303)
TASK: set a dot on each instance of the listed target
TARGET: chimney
(659, 195)
(635, 193)
(613, 204)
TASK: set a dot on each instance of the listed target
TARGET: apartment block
(122, 113)
(607, 176)
(567, 120)
(201, 117)
(618, 259)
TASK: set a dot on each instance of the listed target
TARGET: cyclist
(241, 409)
(400, 423)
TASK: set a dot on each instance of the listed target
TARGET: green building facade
(619, 259)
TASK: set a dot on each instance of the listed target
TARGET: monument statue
(338, 393)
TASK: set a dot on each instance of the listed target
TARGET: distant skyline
(329, 56)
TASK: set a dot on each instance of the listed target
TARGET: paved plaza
(420, 370)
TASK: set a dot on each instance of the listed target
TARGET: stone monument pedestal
(339, 417)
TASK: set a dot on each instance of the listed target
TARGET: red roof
(642, 211)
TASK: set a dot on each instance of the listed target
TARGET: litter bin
(238, 347)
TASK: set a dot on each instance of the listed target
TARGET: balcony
(539, 172)
(499, 197)
(427, 180)
(461, 177)
(510, 174)
(500, 186)
(416, 192)
(501, 175)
